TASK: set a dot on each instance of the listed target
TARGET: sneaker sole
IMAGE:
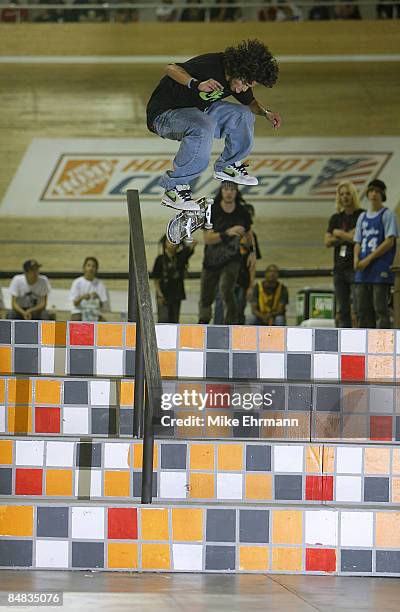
(193, 207)
(236, 179)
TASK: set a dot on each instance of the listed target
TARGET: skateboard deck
(181, 227)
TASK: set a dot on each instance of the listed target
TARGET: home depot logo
(81, 177)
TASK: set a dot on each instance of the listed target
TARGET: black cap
(380, 186)
(31, 264)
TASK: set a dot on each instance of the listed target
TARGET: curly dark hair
(251, 61)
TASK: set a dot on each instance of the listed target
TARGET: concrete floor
(204, 593)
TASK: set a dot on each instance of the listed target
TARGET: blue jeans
(196, 131)
(240, 294)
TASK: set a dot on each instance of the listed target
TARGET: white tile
(2, 419)
(229, 486)
(353, 340)
(100, 392)
(87, 523)
(60, 454)
(47, 360)
(288, 458)
(116, 455)
(321, 527)
(398, 342)
(299, 339)
(356, 529)
(109, 362)
(348, 488)
(187, 557)
(173, 485)
(349, 460)
(167, 336)
(272, 365)
(88, 483)
(326, 366)
(52, 553)
(29, 452)
(191, 363)
(75, 420)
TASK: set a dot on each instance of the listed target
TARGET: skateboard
(181, 227)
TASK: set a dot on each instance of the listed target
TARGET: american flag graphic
(359, 170)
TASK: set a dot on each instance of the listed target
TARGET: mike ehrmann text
(248, 420)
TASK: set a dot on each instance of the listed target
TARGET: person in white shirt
(29, 293)
(88, 294)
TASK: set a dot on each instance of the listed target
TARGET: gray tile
(254, 526)
(126, 422)
(81, 361)
(288, 487)
(388, 561)
(16, 553)
(300, 397)
(217, 337)
(327, 399)
(5, 481)
(26, 332)
(276, 397)
(376, 489)
(326, 340)
(381, 400)
(298, 366)
(130, 356)
(52, 522)
(173, 456)
(104, 421)
(26, 360)
(244, 365)
(76, 392)
(87, 554)
(247, 427)
(217, 365)
(258, 458)
(356, 560)
(5, 332)
(221, 525)
(88, 454)
(137, 484)
(220, 558)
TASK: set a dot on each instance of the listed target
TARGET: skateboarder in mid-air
(187, 106)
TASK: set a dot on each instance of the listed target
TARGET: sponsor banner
(85, 177)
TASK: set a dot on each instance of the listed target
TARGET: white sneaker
(180, 198)
(236, 173)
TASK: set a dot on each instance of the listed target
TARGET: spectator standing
(375, 238)
(340, 236)
(88, 294)
(222, 259)
(269, 300)
(169, 272)
(29, 293)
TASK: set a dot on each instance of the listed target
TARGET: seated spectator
(231, 13)
(320, 12)
(193, 13)
(269, 301)
(346, 11)
(88, 294)
(387, 11)
(281, 11)
(169, 272)
(267, 13)
(29, 293)
(11, 13)
(167, 12)
(50, 15)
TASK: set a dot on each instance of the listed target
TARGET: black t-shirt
(222, 221)
(170, 95)
(343, 255)
(170, 271)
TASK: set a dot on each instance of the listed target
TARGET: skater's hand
(235, 230)
(210, 85)
(363, 263)
(274, 118)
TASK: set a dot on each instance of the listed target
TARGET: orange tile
(201, 486)
(253, 558)
(154, 524)
(122, 555)
(202, 456)
(376, 460)
(127, 393)
(380, 341)
(2, 391)
(218, 431)
(110, 334)
(314, 459)
(286, 559)
(16, 520)
(380, 367)
(6, 452)
(5, 360)
(19, 391)
(130, 335)
(398, 368)
(395, 490)
(287, 527)
(230, 457)
(190, 430)
(116, 484)
(59, 482)
(187, 524)
(47, 392)
(299, 430)
(54, 333)
(19, 419)
(271, 338)
(355, 428)
(244, 337)
(167, 363)
(269, 431)
(328, 463)
(396, 461)
(387, 529)
(156, 557)
(258, 486)
(138, 455)
(192, 336)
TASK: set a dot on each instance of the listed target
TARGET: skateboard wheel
(188, 240)
(208, 225)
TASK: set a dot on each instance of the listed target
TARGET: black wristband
(194, 84)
